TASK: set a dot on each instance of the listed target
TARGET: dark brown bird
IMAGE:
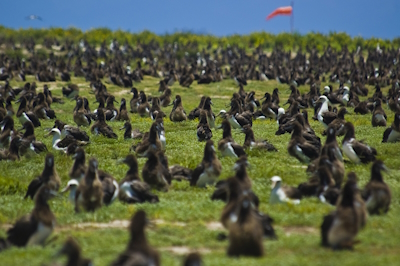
(251, 143)
(152, 143)
(81, 118)
(245, 231)
(143, 108)
(338, 123)
(29, 146)
(89, 194)
(75, 132)
(377, 193)
(203, 128)
(299, 148)
(132, 189)
(73, 252)
(195, 113)
(193, 259)
(49, 177)
(355, 150)
(123, 113)
(135, 101)
(12, 153)
(35, 228)
(378, 115)
(154, 173)
(138, 251)
(129, 133)
(101, 127)
(340, 227)
(208, 171)
(78, 169)
(165, 99)
(227, 146)
(70, 91)
(392, 134)
(240, 167)
(178, 113)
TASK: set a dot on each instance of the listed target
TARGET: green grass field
(185, 217)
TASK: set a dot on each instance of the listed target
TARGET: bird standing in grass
(208, 171)
(177, 114)
(227, 146)
(299, 147)
(355, 150)
(203, 128)
(49, 177)
(90, 192)
(245, 231)
(35, 228)
(154, 173)
(377, 194)
(340, 228)
(138, 251)
(132, 189)
(72, 250)
(392, 134)
(378, 115)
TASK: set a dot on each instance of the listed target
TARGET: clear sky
(367, 18)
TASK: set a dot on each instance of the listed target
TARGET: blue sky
(378, 18)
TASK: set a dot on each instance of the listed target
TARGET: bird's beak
(67, 188)
(121, 161)
(54, 193)
(385, 168)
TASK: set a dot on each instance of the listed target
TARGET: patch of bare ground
(214, 226)
(122, 92)
(162, 222)
(182, 250)
(299, 230)
(113, 224)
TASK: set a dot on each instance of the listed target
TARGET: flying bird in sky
(34, 17)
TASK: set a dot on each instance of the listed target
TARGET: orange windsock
(285, 10)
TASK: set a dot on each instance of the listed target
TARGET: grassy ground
(186, 216)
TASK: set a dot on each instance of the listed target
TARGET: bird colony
(335, 85)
